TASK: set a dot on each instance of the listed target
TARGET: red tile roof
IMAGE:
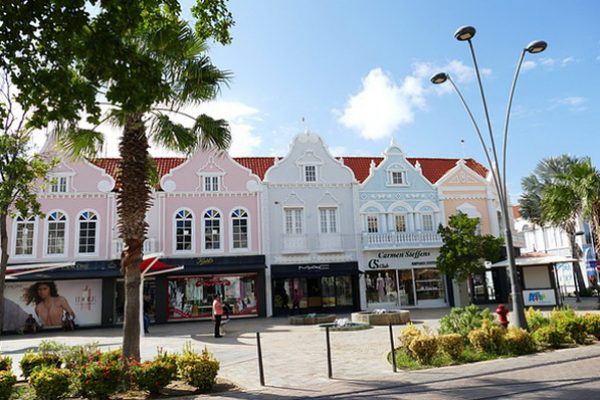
(258, 165)
(433, 168)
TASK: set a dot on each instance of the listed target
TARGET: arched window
(184, 225)
(25, 232)
(239, 228)
(212, 230)
(57, 232)
(88, 225)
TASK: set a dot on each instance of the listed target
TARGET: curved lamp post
(466, 33)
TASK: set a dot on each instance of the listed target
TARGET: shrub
(452, 344)
(155, 375)
(198, 370)
(550, 336)
(535, 319)
(592, 324)
(464, 320)
(575, 327)
(7, 383)
(72, 356)
(100, 379)
(423, 348)
(519, 341)
(408, 334)
(112, 356)
(559, 314)
(489, 338)
(5, 363)
(50, 383)
(30, 361)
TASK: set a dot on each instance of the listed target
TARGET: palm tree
(549, 198)
(585, 180)
(188, 78)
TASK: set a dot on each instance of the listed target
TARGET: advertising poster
(48, 303)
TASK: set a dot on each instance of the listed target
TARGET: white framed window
(184, 230)
(24, 236)
(293, 221)
(427, 222)
(59, 184)
(310, 173)
(328, 219)
(212, 183)
(88, 232)
(239, 228)
(212, 229)
(57, 233)
(397, 178)
(372, 223)
(400, 222)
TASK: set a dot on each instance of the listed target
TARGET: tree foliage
(464, 252)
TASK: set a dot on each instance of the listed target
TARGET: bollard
(393, 349)
(329, 369)
(261, 372)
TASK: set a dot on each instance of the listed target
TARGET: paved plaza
(295, 362)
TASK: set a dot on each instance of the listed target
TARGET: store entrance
(314, 292)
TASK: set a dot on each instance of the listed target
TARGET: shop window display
(327, 291)
(429, 284)
(381, 287)
(191, 297)
(149, 298)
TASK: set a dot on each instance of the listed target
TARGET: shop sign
(49, 301)
(539, 297)
(404, 258)
(205, 261)
(315, 267)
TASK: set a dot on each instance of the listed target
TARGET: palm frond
(212, 132)
(78, 142)
(171, 135)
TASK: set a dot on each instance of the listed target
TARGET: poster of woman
(52, 302)
(51, 309)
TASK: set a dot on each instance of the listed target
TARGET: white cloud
(383, 105)
(338, 151)
(574, 101)
(561, 62)
(567, 60)
(528, 65)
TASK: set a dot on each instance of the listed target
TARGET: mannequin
(380, 287)
(389, 287)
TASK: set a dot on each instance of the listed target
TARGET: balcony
(400, 240)
(117, 246)
(294, 244)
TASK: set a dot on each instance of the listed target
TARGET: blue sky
(358, 71)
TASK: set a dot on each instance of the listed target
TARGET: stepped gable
(433, 168)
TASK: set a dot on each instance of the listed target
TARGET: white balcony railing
(295, 244)
(400, 240)
(149, 247)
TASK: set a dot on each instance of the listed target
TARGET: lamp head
(536, 46)
(464, 33)
(439, 78)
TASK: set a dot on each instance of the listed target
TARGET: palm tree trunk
(3, 264)
(577, 275)
(133, 200)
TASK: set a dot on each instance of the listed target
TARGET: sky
(356, 72)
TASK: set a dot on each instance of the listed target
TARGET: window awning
(151, 265)
(13, 271)
(534, 259)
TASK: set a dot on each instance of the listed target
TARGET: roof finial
(393, 142)
(305, 125)
(462, 147)
(418, 166)
(371, 166)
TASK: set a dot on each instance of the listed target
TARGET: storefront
(188, 294)
(403, 278)
(538, 278)
(94, 292)
(331, 287)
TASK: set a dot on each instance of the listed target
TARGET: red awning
(153, 266)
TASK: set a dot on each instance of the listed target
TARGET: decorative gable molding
(293, 201)
(309, 158)
(328, 200)
(461, 174)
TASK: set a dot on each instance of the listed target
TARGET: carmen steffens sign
(399, 259)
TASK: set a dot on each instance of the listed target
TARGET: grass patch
(469, 355)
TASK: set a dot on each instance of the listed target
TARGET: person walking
(296, 301)
(217, 313)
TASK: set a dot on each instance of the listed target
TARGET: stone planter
(311, 319)
(394, 317)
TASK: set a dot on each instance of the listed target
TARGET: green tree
(142, 61)
(20, 173)
(464, 251)
(550, 197)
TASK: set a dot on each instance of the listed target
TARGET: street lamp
(466, 33)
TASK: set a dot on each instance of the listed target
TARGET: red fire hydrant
(502, 315)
